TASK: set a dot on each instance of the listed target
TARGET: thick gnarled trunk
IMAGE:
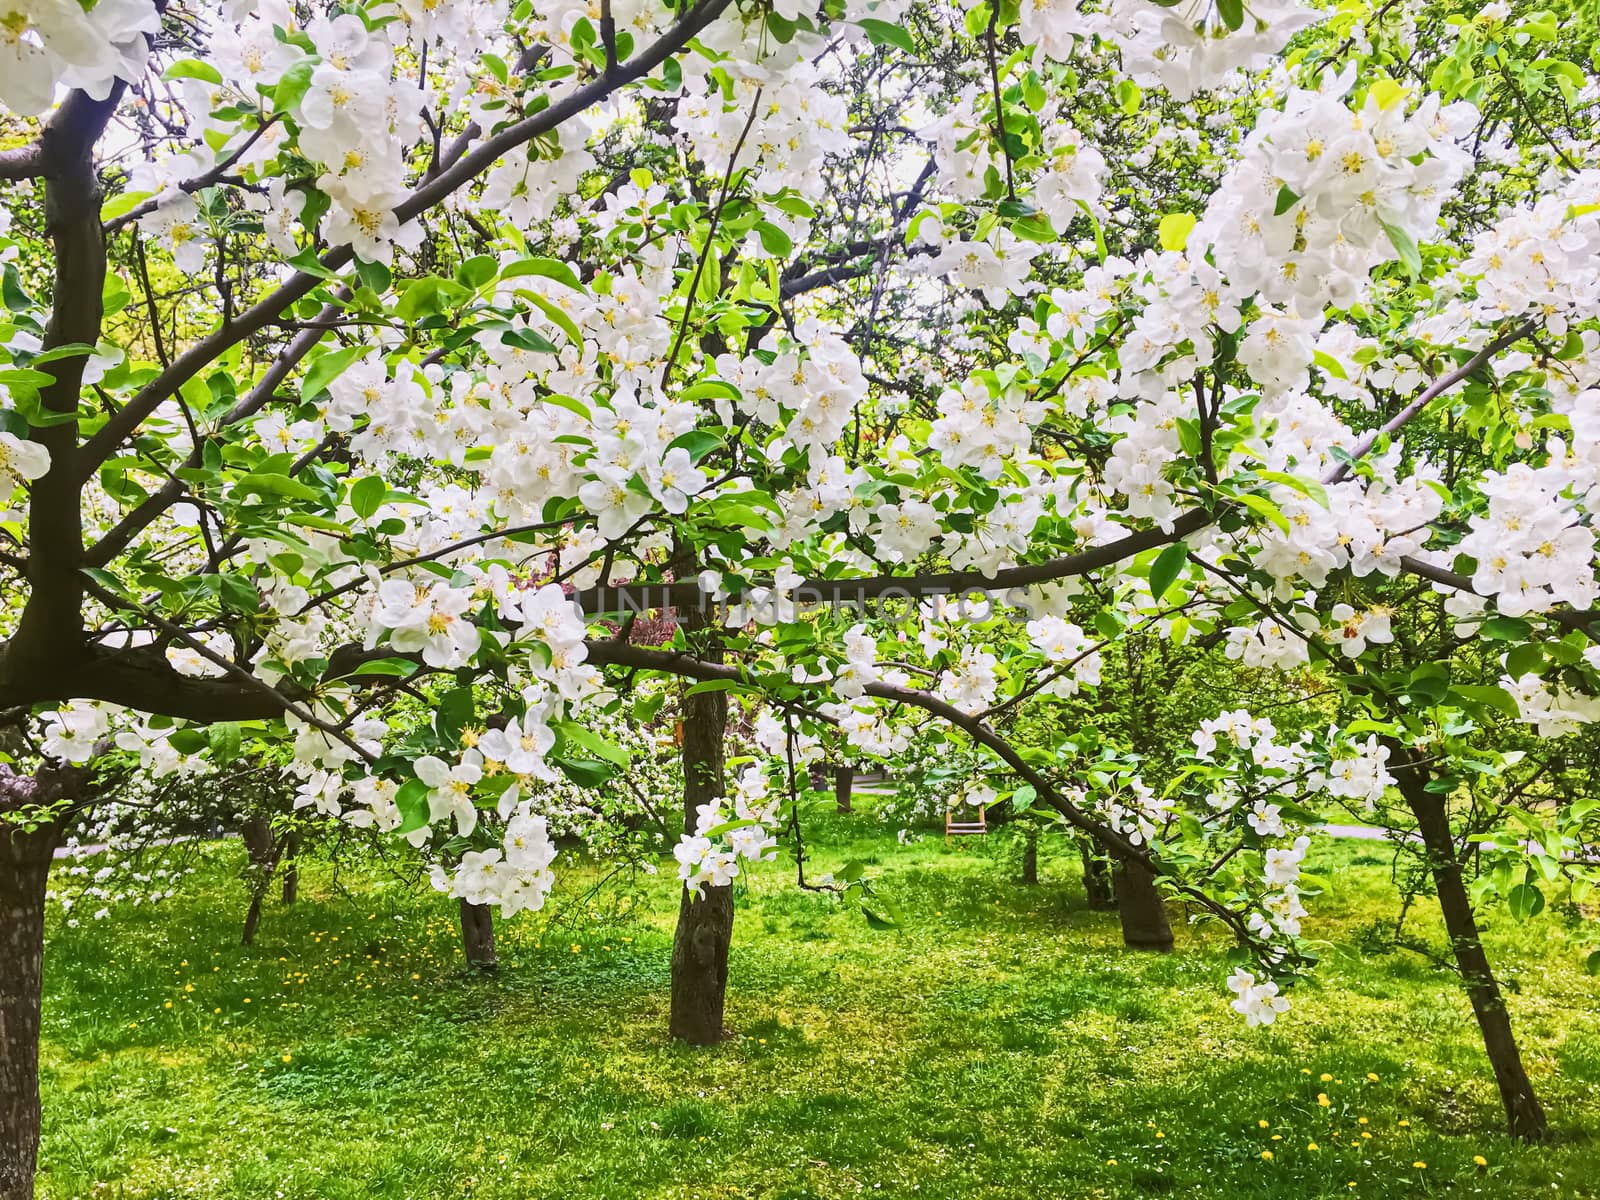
(24, 866)
(705, 922)
(1525, 1116)
(1141, 908)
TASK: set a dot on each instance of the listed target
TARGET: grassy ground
(1002, 1044)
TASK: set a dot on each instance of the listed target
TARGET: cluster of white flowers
(1065, 645)
(1136, 812)
(1361, 776)
(1552, 710)
(1324, 192)
(1258, 1003)
(1533, 547)
(45, 44)
(513, 877)
(721, 838)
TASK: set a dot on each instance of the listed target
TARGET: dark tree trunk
(1525, 1116)
(1030, 853)
(1097, 884)
(705, 922)
(291, 868)
(477, 937)
(843, 779)
(1141, 908)
(262, 850)
(24, 866)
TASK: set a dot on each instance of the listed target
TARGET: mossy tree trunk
(1525, 1116)
(1141, 908)
(24, 866)
(477, 937)
(705, 921)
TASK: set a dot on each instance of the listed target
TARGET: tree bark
(477, 937)
(24, 866)
(262, 850)
(1525, 1116)
(1097, 883)
(843, 780)
(1030, 852)
(705, 922)
(1141, 908)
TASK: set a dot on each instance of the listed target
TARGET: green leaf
(1496, 698)
(1129, 96)
(594, 743)
(412, 801)
(1429, 683)
(1287, 199)
(546, 268)
(1308, 488)
(877, 921)
(1406, 248)
(192, 68)
(1591, 965)
(477, 271)
(1525, 901)
(712, 685)
(456, 711)
(1260, 504)
(225, 741)
(1523, 660)
(530, 339)
(556, 313)
(367, 495)
(698, 442)
(429, 296)
(12, 292)
(326, 369)
(293, 85)
(774, 240)
(267, 484)
(1166, 568)
(1231, 12)
(885, 33)
(238, 593)
(1174, 230)
(389, 668)
(586, 772)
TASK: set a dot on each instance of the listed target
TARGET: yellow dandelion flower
(1311, 1146)
(1325, 1077)
(1420, 1165)
(1322, 1099)
(1480, 1160)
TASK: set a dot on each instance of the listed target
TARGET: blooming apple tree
(362, 357)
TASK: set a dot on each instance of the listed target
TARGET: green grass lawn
(1001, 1044)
